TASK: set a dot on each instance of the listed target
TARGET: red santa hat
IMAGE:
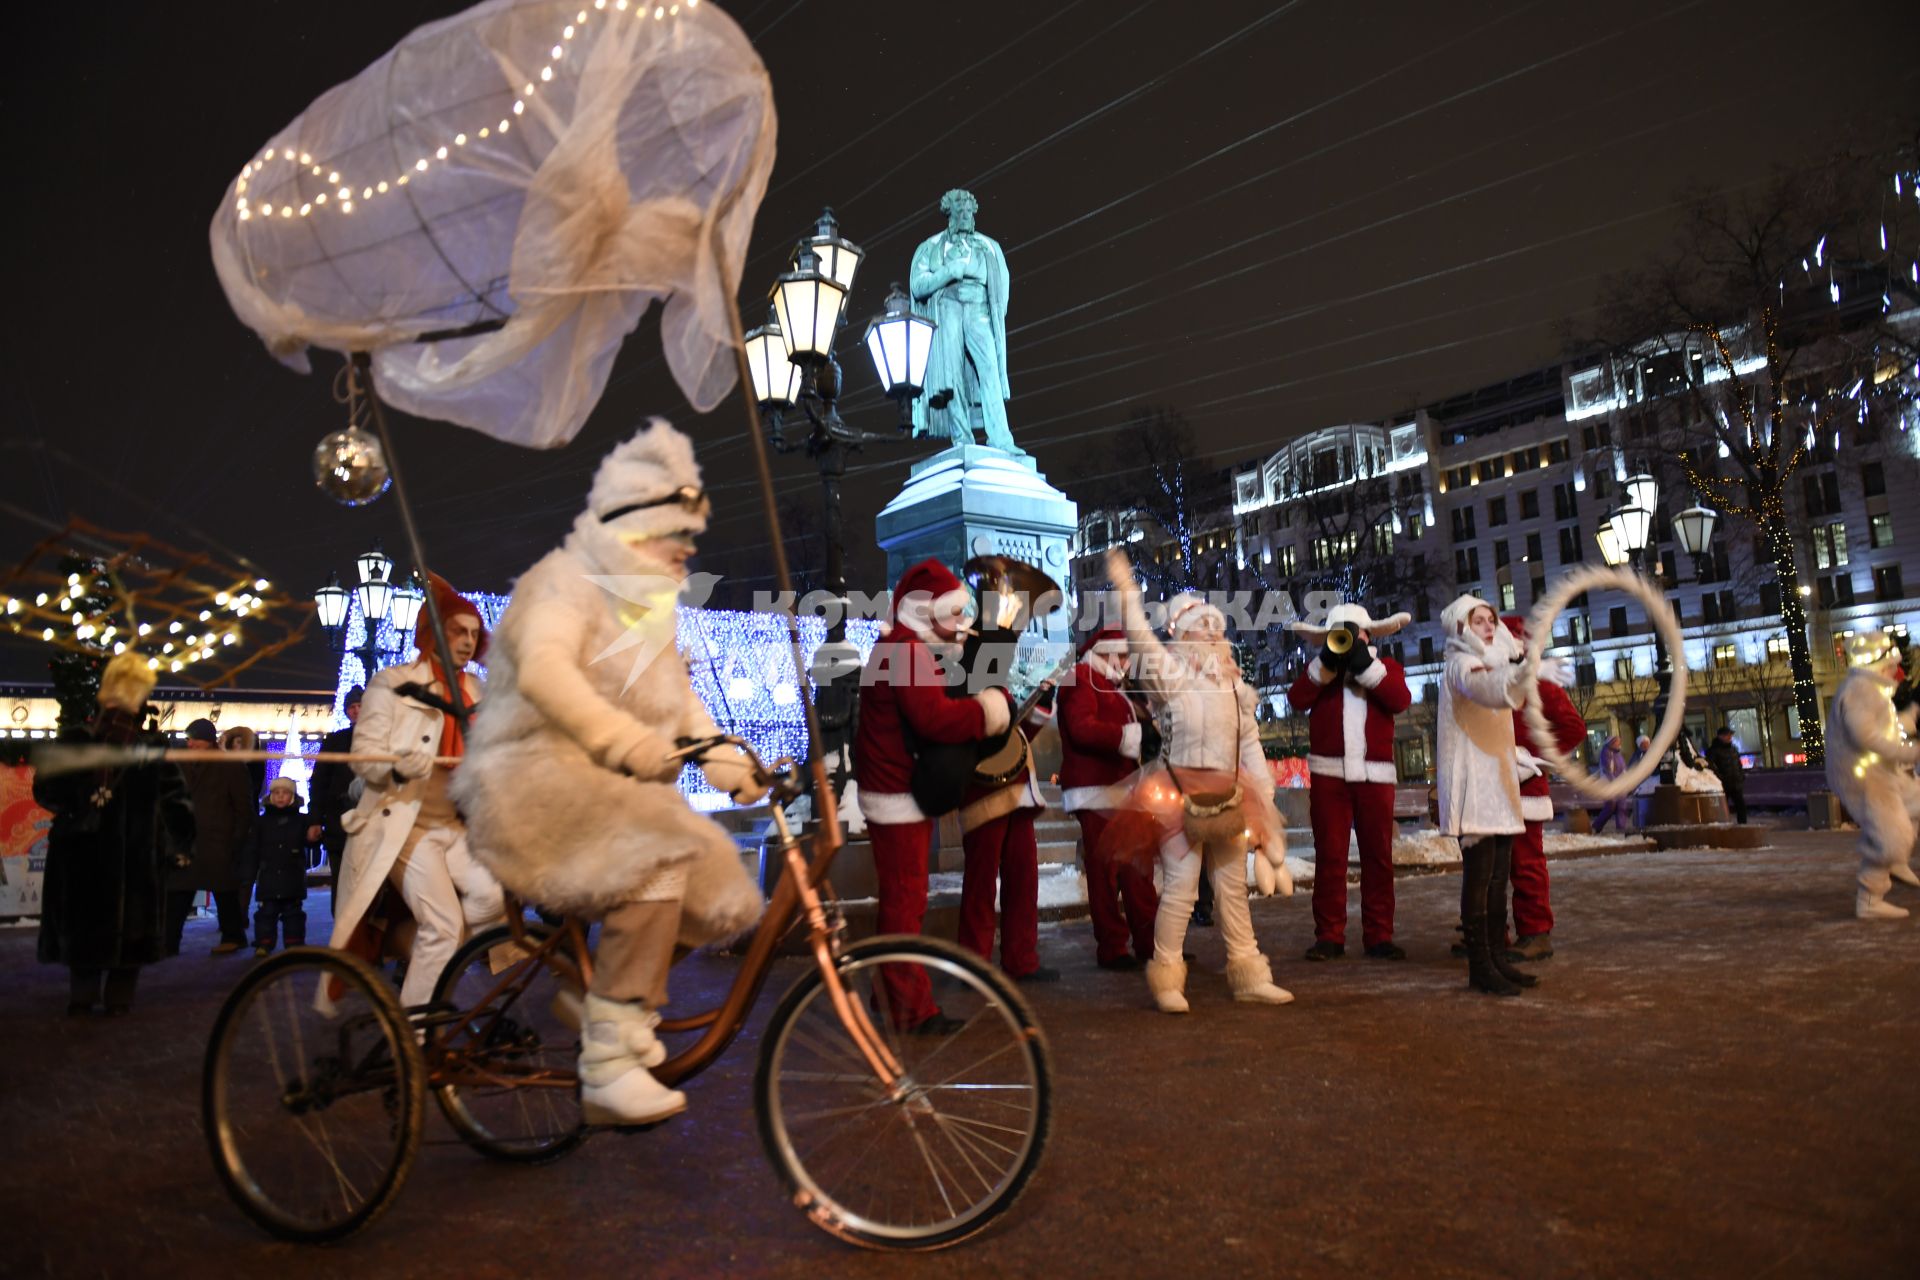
(925, 592)
(450, 603)
(1105, 640)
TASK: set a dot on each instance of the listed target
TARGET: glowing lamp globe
(776, 379)
(405, 608)
(1642, 492)
(807, 303)
(330, 603)
(375, 592)
(1635, 526)
(1695, 529)
(1608, 536)
(899, 343)
(839, 258)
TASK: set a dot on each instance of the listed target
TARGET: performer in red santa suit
(1351, 696)
(904, 700)
(1003, 860)
(1532, 914)
(1100, 750)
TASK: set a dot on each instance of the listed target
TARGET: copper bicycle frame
(566, 950)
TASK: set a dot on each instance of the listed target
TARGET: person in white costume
(1870, 757)
(405, 830)
(1211, 784)
(568, 788)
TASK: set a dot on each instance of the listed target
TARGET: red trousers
(1002, 855)
(900, 852)
(1531, 913)
(1120, 900)
(1365, 809)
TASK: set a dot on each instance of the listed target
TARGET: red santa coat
(902, 687)
(1099, 741)
(1569, 731)
(1349, 730)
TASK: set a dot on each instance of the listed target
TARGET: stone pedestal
(972, 500)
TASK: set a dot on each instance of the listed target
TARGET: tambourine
(1540, 629)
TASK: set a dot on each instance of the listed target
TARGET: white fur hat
(651, 483)
(1357, 617)
(1187, 609)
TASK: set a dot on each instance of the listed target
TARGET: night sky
(1271, 218)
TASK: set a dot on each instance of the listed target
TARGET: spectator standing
(1723, 757)
(115, 832)
(330, 793)
(223, 810)
(241, 738)
(279, 856)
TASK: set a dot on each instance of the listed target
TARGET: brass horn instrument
(1339, 640)
(1012, 593)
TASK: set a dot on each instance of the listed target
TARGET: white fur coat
(1870, 759)
(548, 809)
(1476, 786)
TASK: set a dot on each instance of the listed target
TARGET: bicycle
(315, 1080)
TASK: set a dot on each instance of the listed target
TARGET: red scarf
(452, 743)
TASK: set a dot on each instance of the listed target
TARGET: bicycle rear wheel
(312, 1094)
(506, 1080)
(935, 1159)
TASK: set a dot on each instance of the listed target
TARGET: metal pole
(456, 695)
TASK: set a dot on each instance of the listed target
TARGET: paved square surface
(1719, 1076)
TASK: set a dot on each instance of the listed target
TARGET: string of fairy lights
(281, 165)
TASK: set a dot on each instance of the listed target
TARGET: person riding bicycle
(568, 787)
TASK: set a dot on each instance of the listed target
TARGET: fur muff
(567, 794)
(1214, 828)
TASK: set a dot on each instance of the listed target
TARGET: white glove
(1557, 671)
(1270, 873)
(734, 775)
(648, 761)
(415, 762)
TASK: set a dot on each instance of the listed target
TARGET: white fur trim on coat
(1376, 671)
(1369, 770)
(998, 714)
(1536, 808)
(1112, 796)
(1130, 741)
(897, 807)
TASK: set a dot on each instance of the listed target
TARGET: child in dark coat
(280, 852)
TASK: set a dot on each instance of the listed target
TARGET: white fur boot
(1168, 981)
(616, 1048)
(1251, 980)
(1872, 906)
(1903, 872)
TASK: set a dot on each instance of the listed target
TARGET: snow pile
(1425, 848)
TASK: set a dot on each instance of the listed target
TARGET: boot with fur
(1168, 982)
(616, 1049)
(1874, 906)
(1251, 980)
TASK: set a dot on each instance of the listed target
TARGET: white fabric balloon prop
(551, 169)
(1540, 628)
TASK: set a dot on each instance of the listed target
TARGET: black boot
(1497, 878)
(1476, 870)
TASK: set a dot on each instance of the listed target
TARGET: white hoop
(1540, 622)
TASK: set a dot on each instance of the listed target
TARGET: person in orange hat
(1102, 741)
(904, 703)
(405, 831)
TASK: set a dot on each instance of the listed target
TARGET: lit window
(1725, 655)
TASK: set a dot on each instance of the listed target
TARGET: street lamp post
(1626, 534)
(792, 361)
(380, 600)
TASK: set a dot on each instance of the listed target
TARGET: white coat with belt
(377, 827)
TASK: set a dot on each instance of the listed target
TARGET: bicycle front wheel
(505, 1080)
(951, 1146)
(312, 1094)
